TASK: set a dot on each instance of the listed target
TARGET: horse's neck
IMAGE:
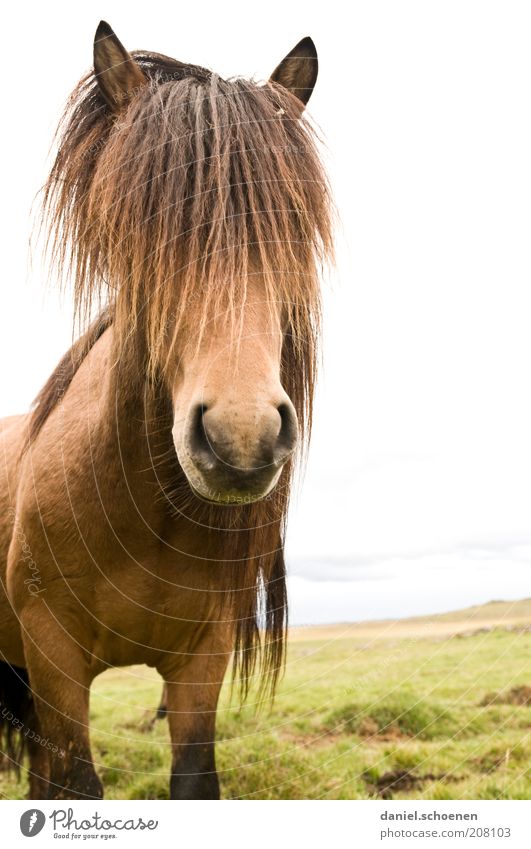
(133, 421)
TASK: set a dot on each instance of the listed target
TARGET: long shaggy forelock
(171, 208)
(168, 214)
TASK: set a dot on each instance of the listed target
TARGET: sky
(417, 494)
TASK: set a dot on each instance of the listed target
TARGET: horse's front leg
(192, 692)
(60, 681)
(39, 761)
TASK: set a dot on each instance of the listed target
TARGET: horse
(144, 496)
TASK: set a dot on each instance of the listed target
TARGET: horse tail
(17, 713)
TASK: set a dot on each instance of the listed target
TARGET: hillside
(502, 614)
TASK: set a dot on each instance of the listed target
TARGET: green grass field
(428, 708)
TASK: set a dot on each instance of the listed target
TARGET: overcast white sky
(417, 496)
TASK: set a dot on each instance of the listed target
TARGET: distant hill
(493, 614)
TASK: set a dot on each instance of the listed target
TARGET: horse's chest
(148, 613)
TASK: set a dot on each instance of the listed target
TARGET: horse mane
(167, 212)
(63, 374)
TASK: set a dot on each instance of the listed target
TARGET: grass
(428, 708)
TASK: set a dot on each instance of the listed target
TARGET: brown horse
(143, 501)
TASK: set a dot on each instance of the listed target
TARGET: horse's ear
(298, 70)
(117, 73)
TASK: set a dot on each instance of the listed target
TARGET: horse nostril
(198, 441)
(216, 439)
(288, 434)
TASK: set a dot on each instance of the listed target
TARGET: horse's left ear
(117, 73)
(298, 70)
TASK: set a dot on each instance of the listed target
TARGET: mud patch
(369, 729)
(519, 696)
(312, 741)
(402, 781)
(399, 716)
(499, 757)
(491, 762)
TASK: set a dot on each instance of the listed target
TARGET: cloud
(380, 567)
(396, 588)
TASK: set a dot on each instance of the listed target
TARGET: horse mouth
(229, 499)
(228, 490)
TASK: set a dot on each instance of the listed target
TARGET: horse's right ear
(117, 73)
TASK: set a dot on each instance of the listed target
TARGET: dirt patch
(402, 781)
(499, 757)
(370, 730)
(400, 716)
(310, 741)
(520, 696)
(397, 781)
(491, 762)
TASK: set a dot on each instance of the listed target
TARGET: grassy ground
(429, 708)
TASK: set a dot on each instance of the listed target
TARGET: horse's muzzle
(235, 455)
